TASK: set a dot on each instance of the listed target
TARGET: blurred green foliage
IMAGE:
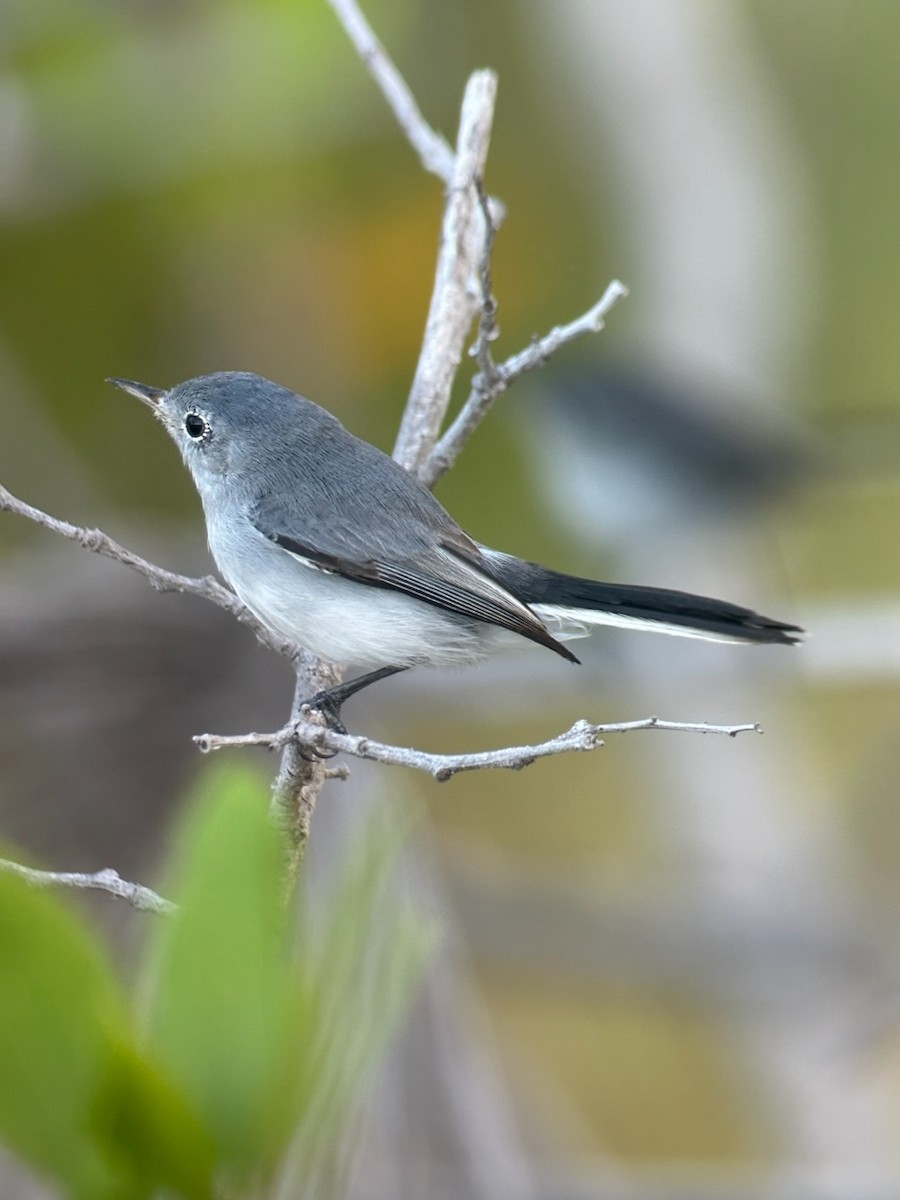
(255, 1029)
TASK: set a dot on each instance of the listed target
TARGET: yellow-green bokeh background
(194, 186)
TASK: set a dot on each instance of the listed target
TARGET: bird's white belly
(337, 619)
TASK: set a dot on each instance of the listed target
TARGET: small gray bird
(336, 548)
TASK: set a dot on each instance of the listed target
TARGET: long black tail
(590, 602)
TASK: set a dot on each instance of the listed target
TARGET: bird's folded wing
(446, 575)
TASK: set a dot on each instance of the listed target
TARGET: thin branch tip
(616, 290)
(341, 772)
(432, 148)
(138, 896)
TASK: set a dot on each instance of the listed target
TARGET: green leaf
(59, 1009)
(219, 1011)
(361, 957)
(149, 1128)
(270, 1037)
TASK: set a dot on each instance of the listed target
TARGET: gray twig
(487, 386)
(432, 148)
(582, 736)
(488, 330)
(161, 580)
(136, 894)
(455, 297)
(300, 777)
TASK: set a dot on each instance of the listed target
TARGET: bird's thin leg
(330, 701)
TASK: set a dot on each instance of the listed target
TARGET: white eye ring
(195, 426)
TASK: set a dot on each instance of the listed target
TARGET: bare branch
(432, 148)
(136, 894)
(488, 329)
(454, 303)
(161, 580)
(582, 736)
(300, 776)
(590, 322)
(454, 299)
(487, 387)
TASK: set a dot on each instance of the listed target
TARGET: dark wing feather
(416, 547)
(453, 583)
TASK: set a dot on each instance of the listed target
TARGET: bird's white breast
(334, 617)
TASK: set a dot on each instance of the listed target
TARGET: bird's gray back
(320, 482)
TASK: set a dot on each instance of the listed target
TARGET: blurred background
(667, 969)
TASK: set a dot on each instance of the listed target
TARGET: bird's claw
(329, 709)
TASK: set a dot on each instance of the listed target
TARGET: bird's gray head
(228, 422)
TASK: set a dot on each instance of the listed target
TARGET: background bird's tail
(561, 599)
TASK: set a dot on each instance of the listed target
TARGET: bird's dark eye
(195, 425)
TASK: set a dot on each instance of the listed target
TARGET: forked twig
(486, 388)
(582, 736)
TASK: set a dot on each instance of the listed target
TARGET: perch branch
(161, 580)
(582, 736)
(432, 148)
(136, 894)
(455, 298)
(487, 386)
(300, 778)
(453, 306)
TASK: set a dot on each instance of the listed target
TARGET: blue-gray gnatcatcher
(336, 548)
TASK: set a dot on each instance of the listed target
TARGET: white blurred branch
(432, 148)
(854, 639)
(110, 881)
(469, 218)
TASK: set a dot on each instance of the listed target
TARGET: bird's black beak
(151, 396)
